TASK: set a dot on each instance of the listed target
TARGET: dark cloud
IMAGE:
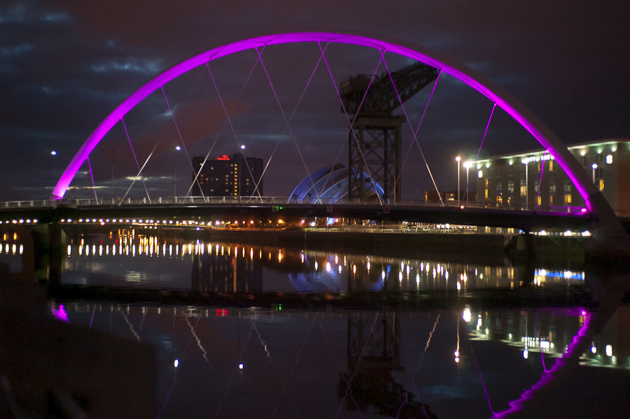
(65, 66)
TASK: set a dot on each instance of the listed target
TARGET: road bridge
(245, 209)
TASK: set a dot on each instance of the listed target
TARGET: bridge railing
(265, 200)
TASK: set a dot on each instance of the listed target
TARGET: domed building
(330, 185)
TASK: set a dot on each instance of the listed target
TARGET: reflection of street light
(594, 167)
(458, 160)
(175, 175)
(467, 165)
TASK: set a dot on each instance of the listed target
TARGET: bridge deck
(523, 220)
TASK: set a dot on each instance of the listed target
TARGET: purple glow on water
(492, 91)
(60, 313)
(517, 405)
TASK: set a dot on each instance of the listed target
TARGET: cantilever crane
(378, 153)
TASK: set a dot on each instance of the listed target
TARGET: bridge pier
(46, 247)
(609, 246)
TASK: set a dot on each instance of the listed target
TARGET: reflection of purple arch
(593, 198)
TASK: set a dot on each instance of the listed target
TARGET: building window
(600, 158)
(609, 159)
(567, 199)
(583, 161)
(523, 190)
(567, 187)
(551, 165)
(601, 184)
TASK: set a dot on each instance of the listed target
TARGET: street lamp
(177, 148)
(52, 153)
(458, 160)
(526, 163)
(467, 165)
(594, 167)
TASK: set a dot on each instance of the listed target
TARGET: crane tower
(374, 141)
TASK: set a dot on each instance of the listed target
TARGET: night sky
(64, 66)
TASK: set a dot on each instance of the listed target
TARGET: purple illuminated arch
(592, 197)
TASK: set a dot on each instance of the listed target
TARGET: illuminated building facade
(533, 180)
(228, 176)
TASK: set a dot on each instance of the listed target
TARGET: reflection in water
(279, 363)
(130, 259)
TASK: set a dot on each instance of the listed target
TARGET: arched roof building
(330, 184)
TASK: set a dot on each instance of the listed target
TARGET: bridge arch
(593, 198)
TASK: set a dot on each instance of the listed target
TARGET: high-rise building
(228, 176)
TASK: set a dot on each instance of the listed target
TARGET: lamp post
(458, 160)
(467, 166)
(526, 163)
(594, 167)
(177, 148)
(50, 156)
(112, 181)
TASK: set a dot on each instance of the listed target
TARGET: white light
(53, 153)
(467, 316)
(241, 366)
(242, 148)
(480, 174)
(458, 158)
(176, 363)
(609, 159)
(178, 148)
(608, 350)
(593, 349)
(525, 354)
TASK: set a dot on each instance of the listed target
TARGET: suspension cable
(410, 126)
(178, 133)
(291, 117)
(354, 118)
(288, 125)
(134, 157)
(216, 138)
(229, 120)
(415, 133)
(486, 131)
(92, 177)
(351, 127)
(140, 172)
